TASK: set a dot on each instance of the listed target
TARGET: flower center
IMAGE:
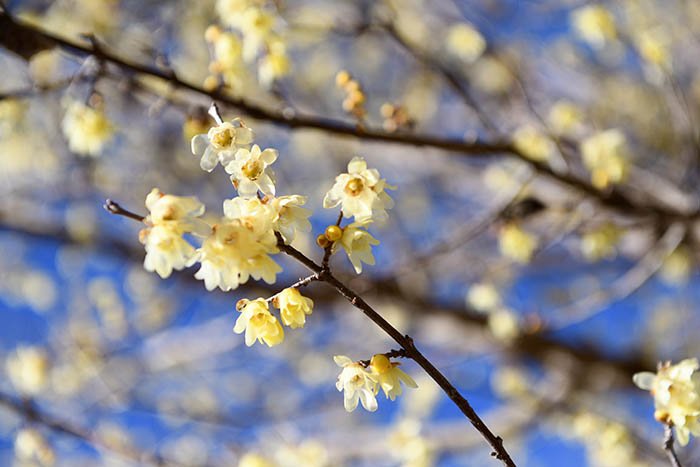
(223, 138)
(252, 169)
(354, 187)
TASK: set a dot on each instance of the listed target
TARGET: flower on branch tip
(87, 129)
(258, 323)
(357, 243)
(360, 192)
(293, 307)
(357, 384)
(389, 376)
(249, 172)
(676, 391)
(169, 218)
(220, 144)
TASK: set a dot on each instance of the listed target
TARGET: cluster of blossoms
(251, 38)
(86, 128)
(676, 391)
(241, 244)
(360, 381)
(395, 117)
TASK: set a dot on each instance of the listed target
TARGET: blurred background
(542, 249)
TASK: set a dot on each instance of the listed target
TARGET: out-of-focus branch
(624, 286)
(29, 411)
(614, 198)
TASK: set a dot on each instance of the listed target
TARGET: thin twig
(115, 208)
(410, 349)
(668, 446)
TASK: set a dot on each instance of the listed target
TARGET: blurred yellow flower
(87, 129)
(465, 42)
(515, 243)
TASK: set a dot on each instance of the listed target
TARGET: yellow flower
(274, 65)
(357, 384)
(169, 218)
(27, 368)
(220, 143)
(258, 323)
(357, 244)
(293, 307)
(309, 453)
(234, 252)
(389, 376)
(594, 24)
(605, 154)
(31, 447)
(360, 192)
(677, 267)
(291, 217)
(533, 144)
(516, 244)
(564, 118)
(249, 171)
(503, 324)
(483, 297)
(87, 129)
(676, 391)
(464, 41)
(600, 243)
(653, 46)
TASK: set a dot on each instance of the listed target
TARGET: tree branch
(614, 198)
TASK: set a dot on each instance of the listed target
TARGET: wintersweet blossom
(600, 243)
(357, 243)
(274, 65)
(256, 26)
(87, 129)
(249, 171)
(256, 215)
(516, 244)
(258, 323)
(676, 391)
(233, 253)
(291, 217)
(360, 192)
(594, 24)
(220, 143)
(483, 297)
(533, 144)
(31, 448)
(464, 41)
(293, 307)
(565, 118)
(606, 155)
(169, 218)
(357, 384)
(389, 376)
(27, 368)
